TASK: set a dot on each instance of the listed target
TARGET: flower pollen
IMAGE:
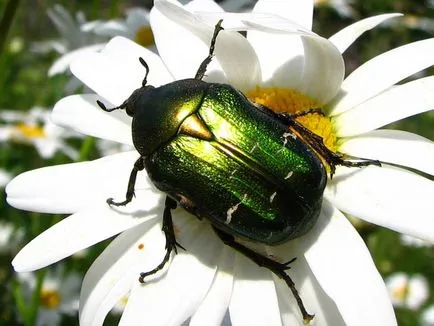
(141, 246)
(400, 293)
(30, 131)
(50, 299)
(144, 36)
(290, 101)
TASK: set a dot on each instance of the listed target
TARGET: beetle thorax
(158, 113)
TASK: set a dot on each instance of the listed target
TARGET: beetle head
(130, 103)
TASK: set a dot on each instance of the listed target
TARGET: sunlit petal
(69, 236)
(129, 52)
(394, 104)
(254, 286)
(386, 196)
(117, 270)
(189, 277)
(81, 113)
(214, 306)
(238, 61)
(382, 72)
(343, 266)
(393, 146)
(62, 64)
(88, 184)
(346, 36)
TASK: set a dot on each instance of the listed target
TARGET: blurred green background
(24, 84)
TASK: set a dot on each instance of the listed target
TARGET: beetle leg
(138, 166)
(169, 233)
(274, 266)
(305, 112)
(202, 68)
(316, 142)
(332, 158)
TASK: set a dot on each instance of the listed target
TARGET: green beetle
(251, 172)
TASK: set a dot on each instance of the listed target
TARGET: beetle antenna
(102, 106)
(144, 64)
(202, 68)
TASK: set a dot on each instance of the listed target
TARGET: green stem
(86, 148)
(6, 21)
(20, 302)
(36, 297)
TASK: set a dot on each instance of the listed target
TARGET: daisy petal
(187, 281)
(88, 184)
(233, 52)
(117, 270)
(282, 37)
(389, 146)
(203, 5)
(392, 105)
(69, 236)
(388, 69)
(80, 112)
(62, 64)
(342, 264)
(254, 298)
(315, 300)
(323, 69)
(300, 12)
(213, 308)
(110, 78)
(322, 64)
(345, 37)
(386, 196)
(129, 52)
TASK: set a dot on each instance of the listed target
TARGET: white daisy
(135, 26)
(5, 176)
(427, 318)
(407, 291)
(280, 59)
(58, 295)
(35, 127)
(414, 22)
(342, 7)
(73, 40)
(10, 237)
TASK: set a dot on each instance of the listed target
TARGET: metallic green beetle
(249, 171)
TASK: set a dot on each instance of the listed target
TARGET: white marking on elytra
(286, 135)
(254, 147)
(233, 173)
(289, 175)
(233, 209)
(272, 196)
(285, 139)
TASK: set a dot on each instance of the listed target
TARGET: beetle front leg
(277, 268)
(169, 232)
(139, 165)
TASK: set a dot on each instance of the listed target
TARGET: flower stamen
(30, 131)
(50, 299)
(144, 36)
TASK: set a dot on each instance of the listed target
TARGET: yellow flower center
(401, 292)
(291, 101)
(50, 299)
(144, 36)
(30, 131)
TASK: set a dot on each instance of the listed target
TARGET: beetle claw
(113, 203)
